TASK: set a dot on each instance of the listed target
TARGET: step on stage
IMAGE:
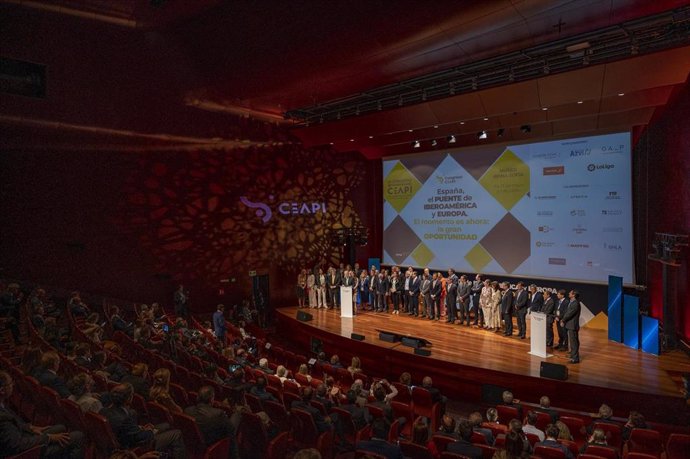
(475, 364)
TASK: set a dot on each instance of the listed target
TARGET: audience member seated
(77, 307)
(492, 416)
(31, 360)
(360, 415)
(138, 379)
(47, 376)
(123, 421)
(82, 356)
(92, 329)
(355, 366)
(323, 396)
(420, 436)
(211, 373)
(259, 390)
(119, 324)
(635, 421)
(17, 436)
(113, 371)
(604, 416)
(464, 444)
(530, 425)
(564, 431)
(307, 453)
(379, 443)
(552, 441)
(476, 420)
(282, 373)
(514, 447)
(362, 395)
(436, 396)
(323, 423)
(382, 401)
(81, 386)
(598, 438)
(213, 423)
(515, 425)
(545, 407)
(447, 427)
(509, 400)
(160, 391)
(389, 390)
(304, 371)
(335, 361)
(263, 366)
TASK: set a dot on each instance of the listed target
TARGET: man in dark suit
(549, 308)
(17, 436)
(464, 445)
(545, 407)
(536, 299)
(123, 421)
(323, 423)
(561, 306)
(507, 309)
(381, 291)
(451, 296)
(378, 443)
(520, 308)
(82, 352)
(464, 291)
(571, 322)
(477, 286)
(119, 324)
(551, 441)
(360, 415)
(415, 283)
(435, 294)
(213, 423)
(476, 423)
(219, 324)
(259, 390)
(47, 374)
(333, 281)
(181, 300)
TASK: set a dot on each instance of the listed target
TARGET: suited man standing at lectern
(571, 322)
(536, 302)
(549, 308)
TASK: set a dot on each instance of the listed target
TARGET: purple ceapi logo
(264, 212)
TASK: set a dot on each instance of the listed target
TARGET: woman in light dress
(495, 306)
(485, 303)
(311, 287)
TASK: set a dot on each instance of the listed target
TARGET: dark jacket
(213, 423)
(124, 423)
(465, 448)
(50, 379)
(15, 434)
(382, 447)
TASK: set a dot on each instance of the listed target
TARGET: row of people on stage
(480, 302)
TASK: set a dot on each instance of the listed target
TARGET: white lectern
(538, 334)
(345, 301)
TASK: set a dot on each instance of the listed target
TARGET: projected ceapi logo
(264, 212)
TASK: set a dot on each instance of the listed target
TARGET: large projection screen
(550, 210)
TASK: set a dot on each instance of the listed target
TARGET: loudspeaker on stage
(304, 316)
(553, 371)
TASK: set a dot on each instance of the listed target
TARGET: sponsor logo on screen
(612, 212)
(557, 261)
(613, 195)
(578, 246)
(579, 196)
(545, 213)
(544, 244)
(578, 213)
(547, 155)
(543, 197)
(545, 229)
(554, 170)
(265, 213)
(599, 167)
(578, 185)
(580, 152)
(579, 229)
(613, 246)
(611, 149)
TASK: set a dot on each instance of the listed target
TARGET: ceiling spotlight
(526, 128)
(416, 144)
(500, 132)
(410, 130)
(482, 135)
(621, 94)
(451, 138)
(434, 143)
(435, 126)
(580, 102)
(462, 122)
(371, 136)
(486, 119)
(544, 108)
(352, 140)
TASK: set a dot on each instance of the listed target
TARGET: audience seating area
(269, 426)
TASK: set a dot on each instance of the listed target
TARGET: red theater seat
(677, 446)
(645, 441)
(546, 452)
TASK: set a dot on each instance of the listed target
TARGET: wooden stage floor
(603, 363)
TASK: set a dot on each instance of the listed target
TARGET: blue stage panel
(615, 308)
(650, 335)
(631, 321)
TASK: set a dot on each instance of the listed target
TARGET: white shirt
(530, 429)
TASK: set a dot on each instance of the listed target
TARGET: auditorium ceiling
(173, 74)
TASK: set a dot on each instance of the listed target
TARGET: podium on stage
(538, 334)
(345, 301)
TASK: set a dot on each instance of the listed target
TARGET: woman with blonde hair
(304, 371)
(485, 303)
(495, 304)
(355, 366)
(160, 391)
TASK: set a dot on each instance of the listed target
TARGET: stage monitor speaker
(412, 342)
(357, 337)
(304, 316)
(422, 351)
(553, 371)
(388, 337)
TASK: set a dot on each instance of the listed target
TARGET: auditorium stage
(465, 359)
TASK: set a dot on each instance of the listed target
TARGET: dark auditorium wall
(131, 225)
(662, 184)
